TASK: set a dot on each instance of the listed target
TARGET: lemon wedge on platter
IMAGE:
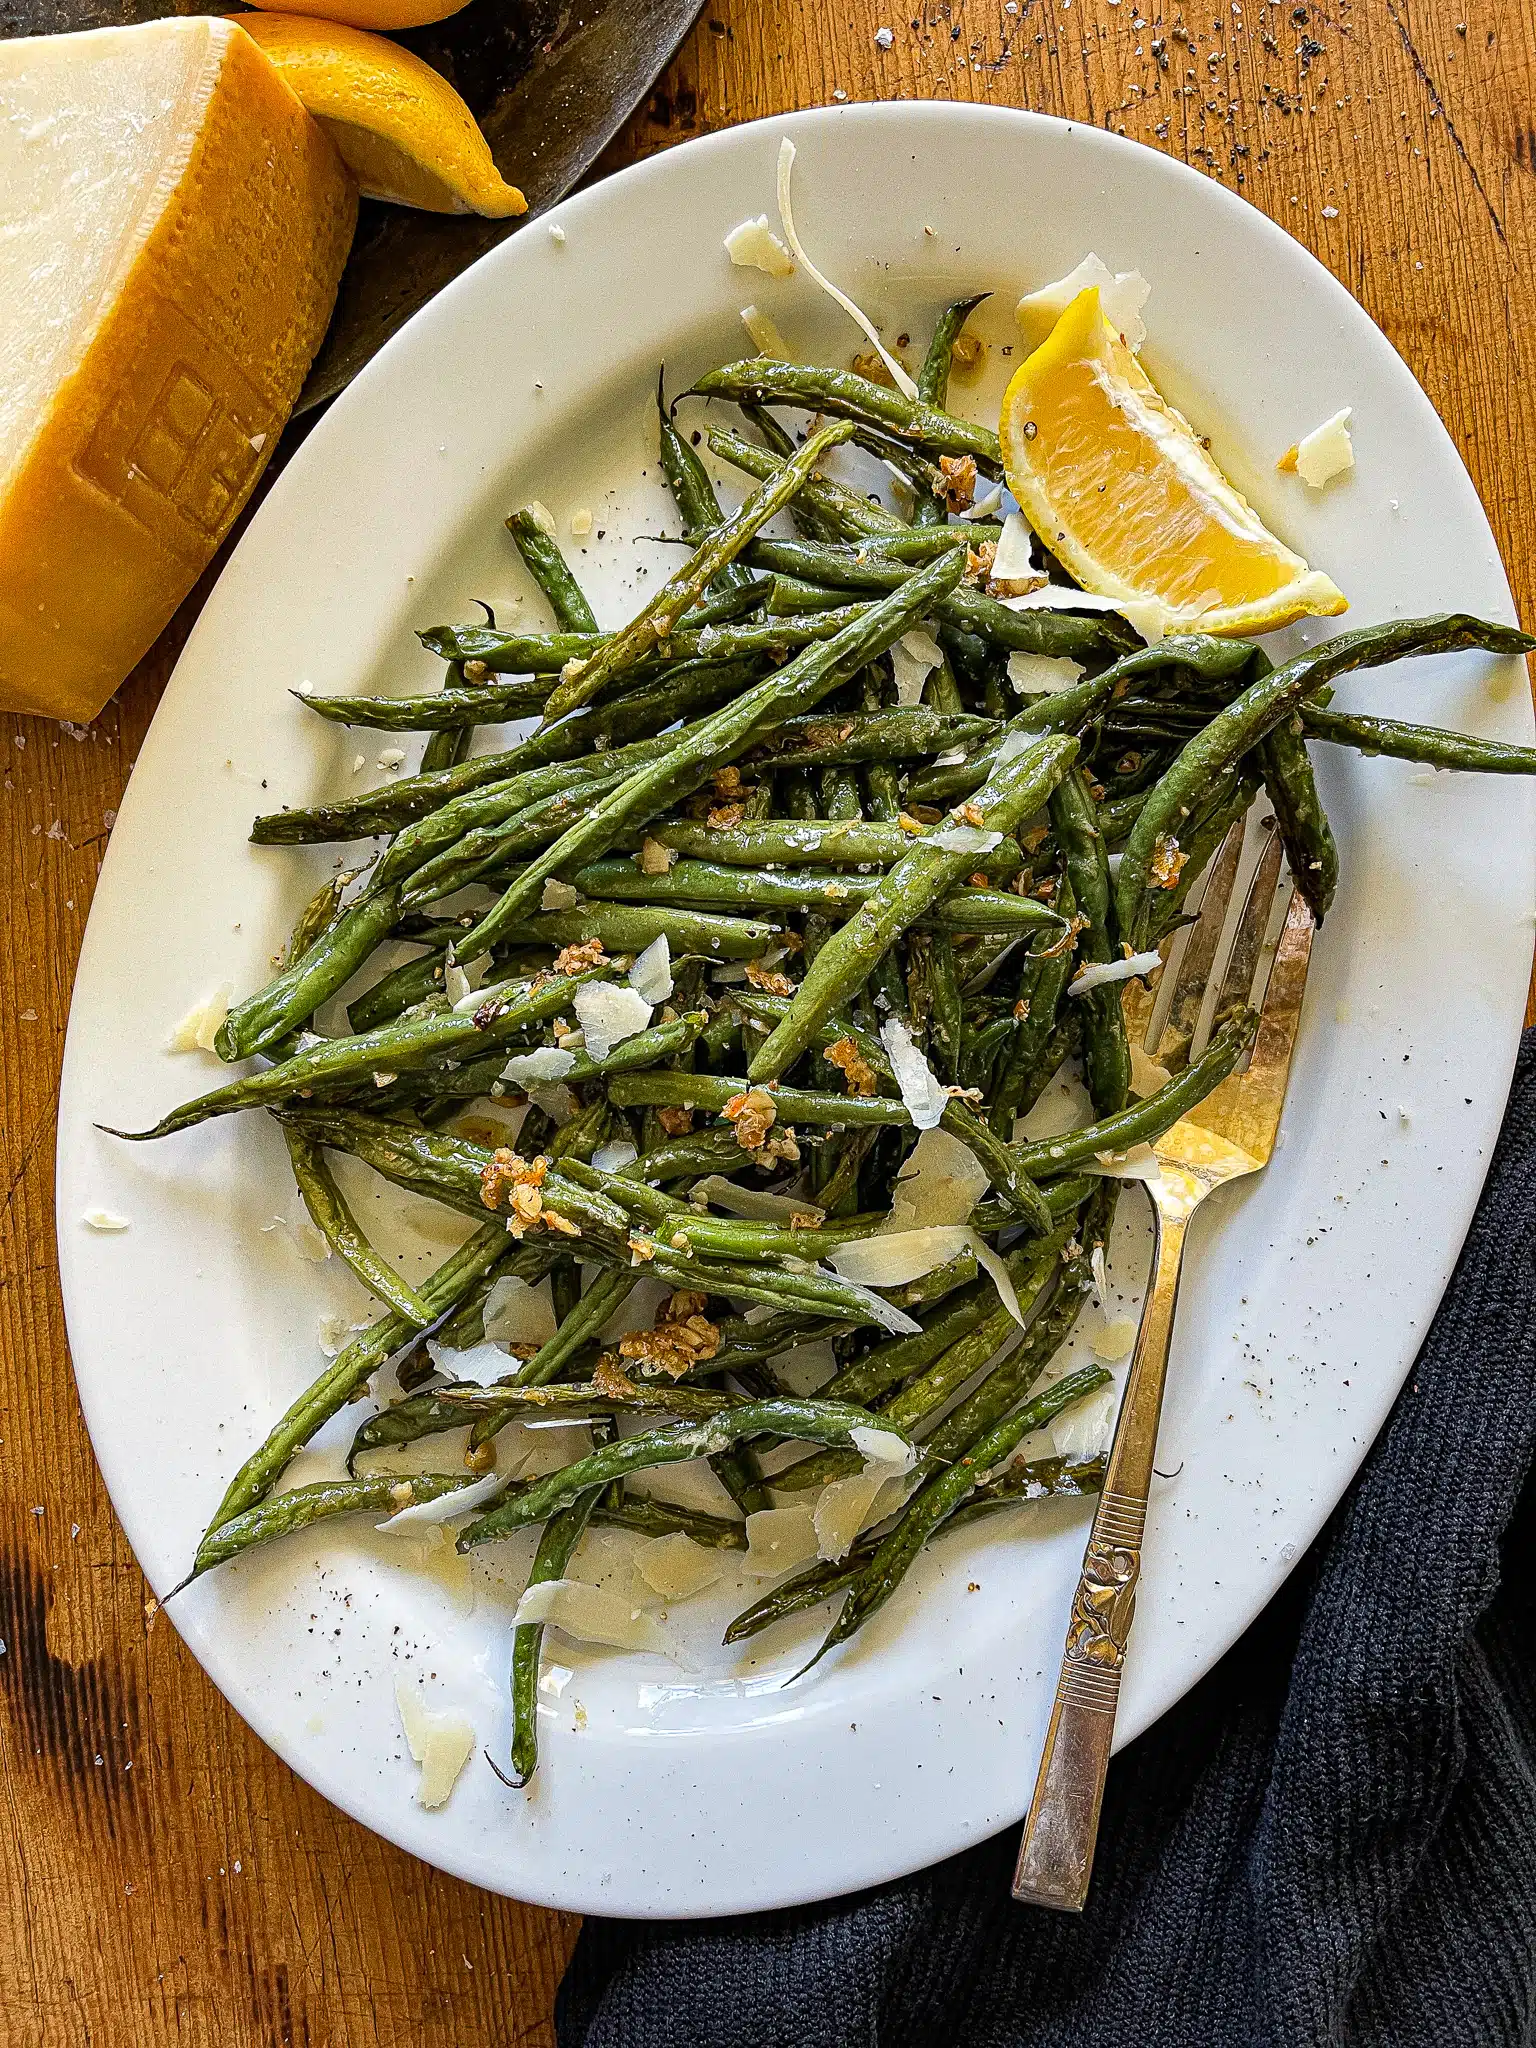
(1124, 493)
(398, 125)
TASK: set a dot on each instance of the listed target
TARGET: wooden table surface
(163, 1877)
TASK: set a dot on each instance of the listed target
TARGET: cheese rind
(179, 230)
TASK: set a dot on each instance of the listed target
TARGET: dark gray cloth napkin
(1332, 1839)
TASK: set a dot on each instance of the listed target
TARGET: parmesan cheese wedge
(175, 229)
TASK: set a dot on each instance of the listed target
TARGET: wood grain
(163, 1878)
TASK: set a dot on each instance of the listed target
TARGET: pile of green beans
(847, 877)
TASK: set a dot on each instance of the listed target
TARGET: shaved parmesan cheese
(440, 1743)
(1011, 746)
(963, 839)
(651, 975)
(676, 1567)
(516, 1313)
(477, 1365)
(890, 1258)
(1084, 1429)
(778, 1540)
(1099, 1267)
(457, 985)
(766, 338)
(1037, 675)
(1147, 614)
(198, 1029)
(914, 657)
(424, 1513)
(1147, 1075)
(941, 1182)
(756, 1203)
(104, 1219)
(1013, 568)
(1137, 1162)
(610, 1158)
(997, 1270)
(754, 246)
(984, 507)
(1325, 453)
(1098, 972)
(559, 895)
(1114, 1340)
(547, 1063)
(861, 320)
(921, 1091)
(541, 516)
(591, 1614)
(842, 1507)
(885, 1448)
(581, 522)
(608, 1015)
(555, 1099)
(1122, 295)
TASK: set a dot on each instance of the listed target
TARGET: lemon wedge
(1120, 489)
(398, 125)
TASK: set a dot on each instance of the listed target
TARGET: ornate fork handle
(1056, 1856)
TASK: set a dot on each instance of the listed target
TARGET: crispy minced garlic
(1021, 1010)
(641, 1249)
(907, 822)
(655, 859)
(576, 959)
(779, 1145)
(768, 981)
(1167, 862)
(981, 881)
(957, 482)
(553, 1220)
(1034, 838)
(752, 1113)
(721, 817)
(683, 1337)
(844, 1054)
(475, 671)
(610, 1380)
(968, 814)
(1066, 941)
(978, 562)
(677, 1122)
(506, 1169)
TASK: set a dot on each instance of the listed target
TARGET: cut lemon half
(1120, 489)
(398, 125)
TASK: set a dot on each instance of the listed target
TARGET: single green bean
(557, 1541)
(300, 1508)
(1427, 743)
(1145, 1121)
(843, 394)
(552, 573)
(1106, 1051)
(330, 1215)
